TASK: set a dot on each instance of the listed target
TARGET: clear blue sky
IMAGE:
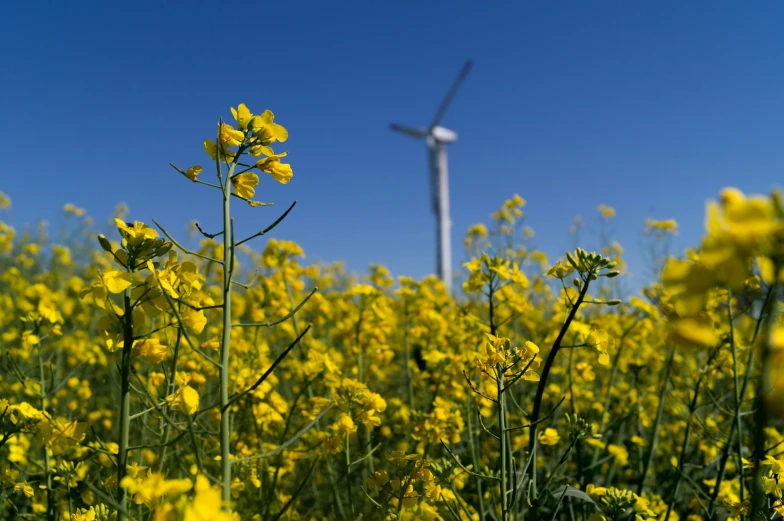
(650, 107)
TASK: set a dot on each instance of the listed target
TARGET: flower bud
(105, 244)
(163, 249)
(572, 261)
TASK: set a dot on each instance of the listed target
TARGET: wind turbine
(437, 137)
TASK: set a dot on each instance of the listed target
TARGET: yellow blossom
(549, 437)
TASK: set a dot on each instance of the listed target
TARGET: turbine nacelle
(443, 135)
(437, 133)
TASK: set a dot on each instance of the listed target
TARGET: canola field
(141, 379)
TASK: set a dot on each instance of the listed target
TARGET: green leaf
(568, 491)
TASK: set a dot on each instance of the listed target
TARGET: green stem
(170, 390)
(687, 435)
(348, 477)
(475, 460)
(761, 415)
(502, 438)
(225, 413)
(47, 463)
(543, 382)
(125, 403)
(409, 375)
(736, 423)
(659, 411)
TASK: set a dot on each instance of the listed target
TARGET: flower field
(145, 379)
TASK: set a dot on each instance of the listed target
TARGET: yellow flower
(59, 434)
(666, 226)
(194, 319)
(694, 331)
(210, 148)
(150, 490)
(192, 172)
(377, 480)
(642, 506)
(206, 504)
(116, 281)
(620, 454)
(606, 212)
(559, 271)
(236, 488)
(82, 514)
(345, 425)
(135, 231)
(229, 136)
(637, 440)
(245, 184)
(24, 488)
(151, 350)
(281, 172)
(549, 437)
(70, 208)
(266, 131)
(186, 398)
(24, 411)
(242, 115)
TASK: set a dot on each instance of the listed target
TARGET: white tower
(437, 138)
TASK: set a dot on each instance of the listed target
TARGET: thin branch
(471, 385)
(268, 372)
(290, 441)
(540, 420)
(296, 492)
(208, 235)
(278, 321)
(184, 249)
(270, 227)
(482, 424)
(471, 473)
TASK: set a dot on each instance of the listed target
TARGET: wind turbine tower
(437, 138)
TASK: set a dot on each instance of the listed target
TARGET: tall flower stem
(169, 390)
(125, 400)
(50, 515)
(761, 415)
(657, 422)
(228, 264)
(737, 423)
(543, 382)
(687, 435)
(502, 440)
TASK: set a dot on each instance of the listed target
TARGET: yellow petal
(697, 331)
(190, 398)
(281, 172)
(116, 281)
(242, 115)
(245, 184)
(192, 172)
(194, 319)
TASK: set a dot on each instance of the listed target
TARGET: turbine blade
(451, 94)
(416, 133)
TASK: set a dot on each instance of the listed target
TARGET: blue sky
(649, 107)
